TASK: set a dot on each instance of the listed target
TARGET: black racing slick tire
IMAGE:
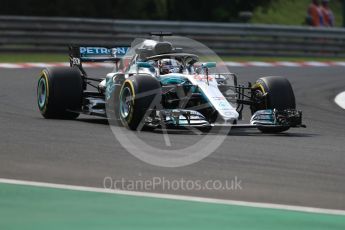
(59, 93)
(279, 96)
(138, 94)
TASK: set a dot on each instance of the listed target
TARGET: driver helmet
(167, 66)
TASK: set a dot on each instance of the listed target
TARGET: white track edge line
(340, 100)
(176, 197)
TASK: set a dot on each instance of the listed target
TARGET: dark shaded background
(191, 10)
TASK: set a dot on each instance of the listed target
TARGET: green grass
(291, 12)
(33, 57)
(36, 208)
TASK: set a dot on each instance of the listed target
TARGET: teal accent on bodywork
(179, 80)
(209, 65)
(144, 65)
(189, 87)
(110, 87)
(264, 117)
(173, 80)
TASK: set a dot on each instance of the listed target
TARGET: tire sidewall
(44, 77)
(126, 121)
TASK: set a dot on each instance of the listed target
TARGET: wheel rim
(42, 92)
(125, 102)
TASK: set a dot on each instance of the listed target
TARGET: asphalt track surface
(304, 167)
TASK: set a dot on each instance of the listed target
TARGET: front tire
(138, 94)
(279, 96)
(59, 92)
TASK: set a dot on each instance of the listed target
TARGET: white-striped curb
(56, 64)
(230, 64)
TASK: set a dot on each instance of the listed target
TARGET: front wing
(262, 118)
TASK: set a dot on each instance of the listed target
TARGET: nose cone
(230, 115)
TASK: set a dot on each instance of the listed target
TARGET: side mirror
(209, 65)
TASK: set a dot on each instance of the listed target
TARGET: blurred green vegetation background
(192, 10)
(288, 12)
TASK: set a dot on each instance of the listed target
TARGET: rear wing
(81, 54)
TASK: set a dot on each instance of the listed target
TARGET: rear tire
(59, 91)
(138, 94)
(280, 96)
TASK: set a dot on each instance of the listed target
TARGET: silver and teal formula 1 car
(158, 85)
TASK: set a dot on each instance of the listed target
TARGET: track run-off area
(52, 171)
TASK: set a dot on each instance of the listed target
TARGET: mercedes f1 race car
(159, 85)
